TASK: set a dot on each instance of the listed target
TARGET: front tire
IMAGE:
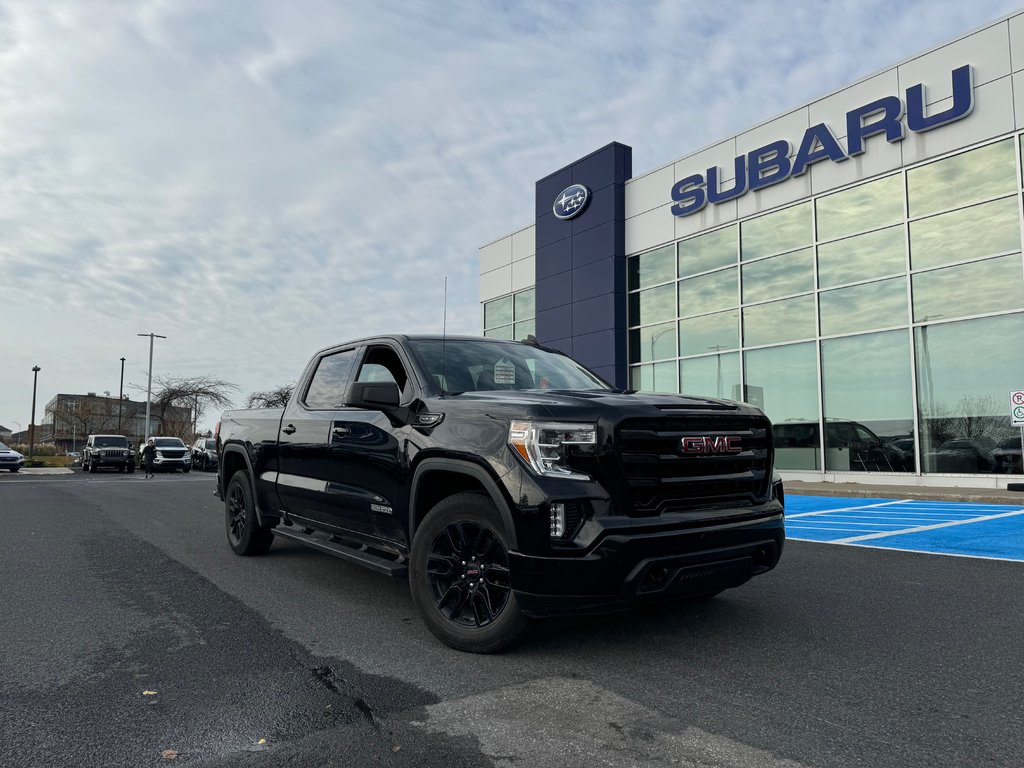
(460, 578)
(245, 535)
(14, 469)
(92, 468)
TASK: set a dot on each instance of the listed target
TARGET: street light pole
(120, 398)
(149, 381)
(32, 424)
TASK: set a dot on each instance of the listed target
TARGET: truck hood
(591, 403)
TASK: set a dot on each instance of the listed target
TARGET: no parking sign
(1017, 407)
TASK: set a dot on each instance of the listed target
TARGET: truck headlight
(546, 446)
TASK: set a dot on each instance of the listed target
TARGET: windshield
(4, 447)
(168, 442)
(211, 445)
(111, 442)
(478, 366)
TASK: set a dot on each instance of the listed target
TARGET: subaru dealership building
(853, 267)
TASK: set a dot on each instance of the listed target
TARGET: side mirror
(374, 395)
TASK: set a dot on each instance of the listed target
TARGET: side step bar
(353, 552)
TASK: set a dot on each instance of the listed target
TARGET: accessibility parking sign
(1017, 407)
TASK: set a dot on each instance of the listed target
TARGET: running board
(351, 551)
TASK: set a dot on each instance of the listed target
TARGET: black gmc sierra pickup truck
(505, 480)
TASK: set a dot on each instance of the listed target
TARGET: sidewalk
(858, 490)
(46, 471)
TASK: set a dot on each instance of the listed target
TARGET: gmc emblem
(712, 445)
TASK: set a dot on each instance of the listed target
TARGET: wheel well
(233, 462)
(438, 484)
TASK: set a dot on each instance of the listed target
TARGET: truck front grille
(664, 476)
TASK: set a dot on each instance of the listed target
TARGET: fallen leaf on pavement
(149, 693)
(169, 754)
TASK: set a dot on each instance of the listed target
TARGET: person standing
(148, 455)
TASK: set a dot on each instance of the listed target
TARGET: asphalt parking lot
(133, 637)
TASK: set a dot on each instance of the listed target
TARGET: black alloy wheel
(236, 514)
(467, 573)
(245, 535)
(460, 575)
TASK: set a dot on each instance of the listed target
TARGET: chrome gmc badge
(705, 445)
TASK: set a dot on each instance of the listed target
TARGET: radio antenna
(444, 336)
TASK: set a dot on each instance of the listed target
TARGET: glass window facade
(510, 317)
(876, 325)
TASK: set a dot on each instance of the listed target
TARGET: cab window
(383, 364)
(327, 387)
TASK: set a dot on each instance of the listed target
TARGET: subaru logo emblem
(571, 202)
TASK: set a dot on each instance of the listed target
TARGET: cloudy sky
(259, 179)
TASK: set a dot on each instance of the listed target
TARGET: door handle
(289, 429)
(341, 431)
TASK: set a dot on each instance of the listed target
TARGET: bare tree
(194, 395)
(277, 397)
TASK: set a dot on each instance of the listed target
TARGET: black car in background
(204, 454)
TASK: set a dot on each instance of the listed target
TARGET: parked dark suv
(204, 454)
(112, 451)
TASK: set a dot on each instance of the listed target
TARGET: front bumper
(648, 563)
(162, 463)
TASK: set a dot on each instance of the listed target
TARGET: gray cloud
(256, 180)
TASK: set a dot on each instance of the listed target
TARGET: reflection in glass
(869, 411)
(779, 276)
(981, 230)
(710, 251)
(699, 335)
(785, 230)
(785, 320)
(867, 206)
(862, 307)
(707, 293)
(498, 312)
(524, 329)
(860, 258)
(969, 289)
(962, 179)
(963, 376)
(653, 267)
(659, 377)
(711, 376)
(653, 305)
(783, 381)
(524, 304)
(655, 342)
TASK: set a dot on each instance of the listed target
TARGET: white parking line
(848, 509)
(869, 536)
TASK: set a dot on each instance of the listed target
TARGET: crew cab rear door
(305, 458)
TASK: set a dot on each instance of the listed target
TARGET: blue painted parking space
(936, 527)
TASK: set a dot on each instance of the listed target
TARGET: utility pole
(149, 381)
(32, 424)
(120, 398)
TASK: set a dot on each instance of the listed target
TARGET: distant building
(5, 434)
(69, 419)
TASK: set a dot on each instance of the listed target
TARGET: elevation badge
(571, 202)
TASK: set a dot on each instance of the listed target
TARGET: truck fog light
(557, 520)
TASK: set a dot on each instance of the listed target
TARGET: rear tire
(245, 535)
(459, 575)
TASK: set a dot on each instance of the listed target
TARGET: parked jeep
(112, 451)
